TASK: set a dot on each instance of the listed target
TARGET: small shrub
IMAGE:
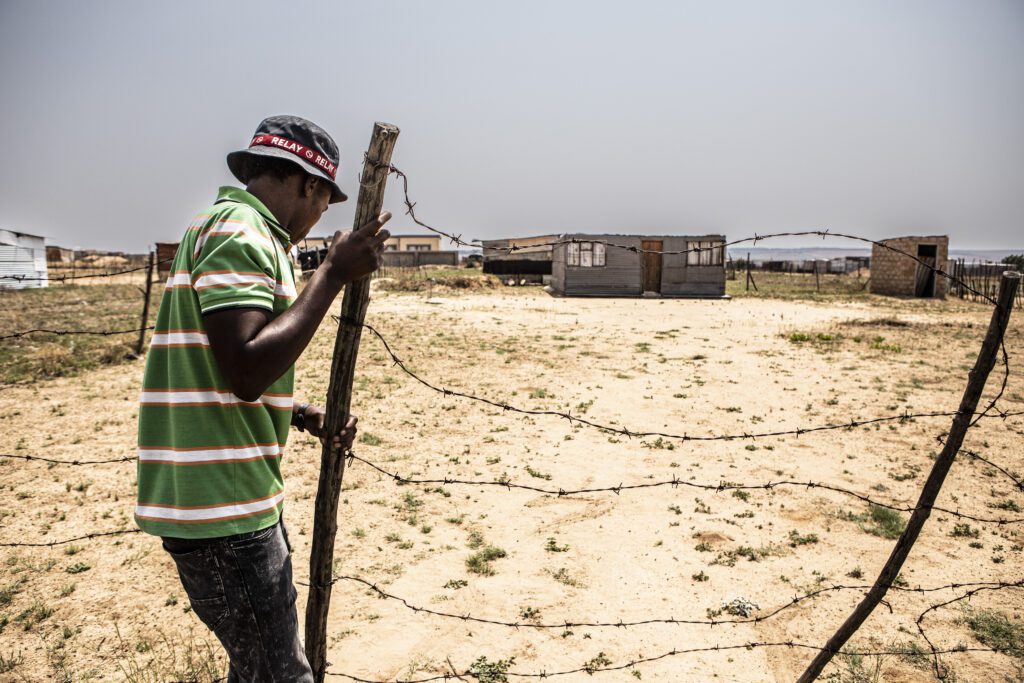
(885, 522)
(480, 561)
(995, 630)
(491, 672)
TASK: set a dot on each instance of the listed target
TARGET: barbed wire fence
(967, 418)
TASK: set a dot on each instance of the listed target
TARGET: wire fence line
(64, 333)
(591, 667)
(764, 616)
(65, 278)
(85, 537)
(675, 482)
(991, 410)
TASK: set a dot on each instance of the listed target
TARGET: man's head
(292, 163)
(299, 199)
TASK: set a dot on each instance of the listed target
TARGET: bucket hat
(297, 140)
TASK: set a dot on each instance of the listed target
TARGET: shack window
(585, 254)
(704, 253)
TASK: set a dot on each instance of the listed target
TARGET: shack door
(924, 280)
(650, 266)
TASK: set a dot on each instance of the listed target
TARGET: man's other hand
(356, 254)
(316, 424)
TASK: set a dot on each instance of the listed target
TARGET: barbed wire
(63, 333)
(675, 482)
(592, 667)
(65, 278)
(567, 624)
(919, 622)
(906, 416)
(410, 207)
(127, 458)
(49, 544)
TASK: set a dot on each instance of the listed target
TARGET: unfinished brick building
(894, 274)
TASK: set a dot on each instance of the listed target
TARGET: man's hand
(356, 254)
(316, 425)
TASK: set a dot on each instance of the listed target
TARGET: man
(217, 392)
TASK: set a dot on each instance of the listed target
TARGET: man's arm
(252, 351)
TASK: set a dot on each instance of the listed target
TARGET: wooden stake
(339, 399)
(968, 404)
(145, 307)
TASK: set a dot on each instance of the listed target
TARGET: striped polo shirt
(209, 462)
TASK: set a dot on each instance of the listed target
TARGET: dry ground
(112, 608)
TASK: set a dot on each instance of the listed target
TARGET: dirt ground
(112, 608)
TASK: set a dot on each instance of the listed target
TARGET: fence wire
(991, 410)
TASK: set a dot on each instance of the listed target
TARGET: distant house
(59, 255)
(413, 243)
(607, 265)
(400, 251)
(896, 274)
(22, 260)
(519, 259)
(165, 252)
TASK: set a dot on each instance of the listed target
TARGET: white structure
(22, 256)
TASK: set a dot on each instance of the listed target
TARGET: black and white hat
(294, 139)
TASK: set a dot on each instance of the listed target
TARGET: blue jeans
(241, 588)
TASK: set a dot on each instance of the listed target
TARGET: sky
(520, 118)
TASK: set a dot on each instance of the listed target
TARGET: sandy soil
(699, 367)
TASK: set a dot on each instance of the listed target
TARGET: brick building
(895, 274)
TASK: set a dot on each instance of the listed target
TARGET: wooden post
(817, 279)
(339, 399)
(145, 306)
(968, 404)
(748, 271)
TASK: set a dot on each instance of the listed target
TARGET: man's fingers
(352, 420)
(373, 226)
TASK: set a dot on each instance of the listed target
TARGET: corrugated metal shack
(24, 256)
(583, 265)
(531, 262)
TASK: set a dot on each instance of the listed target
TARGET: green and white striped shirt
(209, 462)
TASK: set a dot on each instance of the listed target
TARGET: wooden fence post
(339, 399)
(961, 423)
(748, 271)
(145, 306)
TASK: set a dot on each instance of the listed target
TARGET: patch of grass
(78, 568)
(480, 561)
(491, 672)
(1008, 505)
(964, 530)
(797, 539)
(370, 439)
(96, 307)
(529, 613)
(174, 657)
(563, 577)
(599, 662)
(995, 630)
(884, 522)
(34, 614)
(553, 547)
(476, 539)
(10, 663)
(537, 474)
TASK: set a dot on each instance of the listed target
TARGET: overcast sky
(874, 117)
